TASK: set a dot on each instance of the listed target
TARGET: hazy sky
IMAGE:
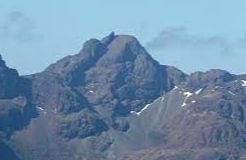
(190, 34)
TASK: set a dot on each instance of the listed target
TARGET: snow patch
(140, 112)
(91, 91)
(243, 83)
(176, 87)
(187, 94)
(193, 101)
(199, 91)
(40, 108)
(231, 93)
(162, 98)
(133, 112)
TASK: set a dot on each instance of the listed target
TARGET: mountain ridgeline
(113, 101)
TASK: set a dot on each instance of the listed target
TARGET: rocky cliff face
(15, 100)
(16, 110)
(116, 71)
(112, 100)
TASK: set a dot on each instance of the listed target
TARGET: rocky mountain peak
(111, 49)
(115, 69)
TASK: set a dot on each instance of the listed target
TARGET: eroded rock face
(15, 100)
(10, 83)
(112, 100)
(81, 125)
(110, 77)
(16, 110)
(116, 70)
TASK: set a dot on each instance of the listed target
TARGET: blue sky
(191, 34)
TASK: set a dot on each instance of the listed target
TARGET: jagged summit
(2, 62)
(115, 44)
(120, 38)
(116, 68)
(108, 39)
(114, 48)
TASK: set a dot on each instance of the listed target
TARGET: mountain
(113, 101)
